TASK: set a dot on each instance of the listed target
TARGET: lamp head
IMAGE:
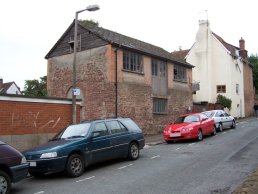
(92, 8)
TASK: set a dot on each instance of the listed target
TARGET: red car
(190, 126)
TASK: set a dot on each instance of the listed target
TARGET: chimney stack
(242, 52)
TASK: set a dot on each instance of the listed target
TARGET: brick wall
(27, 122)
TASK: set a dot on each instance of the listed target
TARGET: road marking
(158, 156)
(85, 179)
(231, 130)
(40, 192)
(177, 148)
(224, 132)
(191, 144)
(125, 166)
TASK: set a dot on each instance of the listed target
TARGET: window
(237, 88)
(179, 73)
(159, 105)
(221, 89)
(116, 127)
(100, 129)
(79, 46)
(132, 61)
(158, 68)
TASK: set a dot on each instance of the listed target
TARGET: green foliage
(253, 59)
(224, 101)
(89, 22)
(36, 88)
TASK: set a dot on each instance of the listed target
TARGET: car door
(119, 138)
(228, 120)
(204, 123)
(99, 145)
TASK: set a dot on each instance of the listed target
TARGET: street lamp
(75, 44)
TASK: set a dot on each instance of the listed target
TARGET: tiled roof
(5, 87)
(131, 43)
(232, 49)
(181, 53)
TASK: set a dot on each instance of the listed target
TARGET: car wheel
(75, 165)
(220, 127)
(133, 152)
(5, 183)
(200, 135)
(214, 132)
(233, 126)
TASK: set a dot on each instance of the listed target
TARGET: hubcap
(134, 151)
(200, 135)
(3, 185)
(76, 165)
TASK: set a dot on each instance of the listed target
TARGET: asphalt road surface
(218, 164)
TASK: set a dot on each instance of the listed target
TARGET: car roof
(184, 115)
(105, 119)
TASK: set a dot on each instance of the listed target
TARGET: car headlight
(49, 155)
(23, 160)
(187, 129)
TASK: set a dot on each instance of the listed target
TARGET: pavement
(249, 186)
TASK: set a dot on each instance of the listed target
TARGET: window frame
(180, 73)
(221, 88)
(160, 106)
(132, 62)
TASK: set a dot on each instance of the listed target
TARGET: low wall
(27, 122)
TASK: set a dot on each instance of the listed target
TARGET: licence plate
(33, 164)
(175, 135)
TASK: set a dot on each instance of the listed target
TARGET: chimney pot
(242, 44)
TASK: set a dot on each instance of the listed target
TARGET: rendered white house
(221, 68)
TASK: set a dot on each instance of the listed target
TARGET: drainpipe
(116, 83)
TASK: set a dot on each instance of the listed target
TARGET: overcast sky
(30, 28)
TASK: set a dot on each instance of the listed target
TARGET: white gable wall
(215, 66)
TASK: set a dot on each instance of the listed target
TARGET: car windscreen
(187, 119)
(74, 131)
(209, 113)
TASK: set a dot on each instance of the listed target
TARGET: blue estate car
(80, 145)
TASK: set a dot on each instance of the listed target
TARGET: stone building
(119, 76)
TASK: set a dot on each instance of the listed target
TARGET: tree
(89, 22)
(253, 59)
(35, 88)
(224, 101)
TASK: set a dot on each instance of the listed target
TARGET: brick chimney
(243, 52)
(1, 83)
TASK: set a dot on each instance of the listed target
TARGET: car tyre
(5, 183)
(134, 151)
(75, 166)
(200, 135)
(220, 127)
(214, 131)
(233, 126)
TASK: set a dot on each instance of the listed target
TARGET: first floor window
(221, 89)
(159, 105)
(237, 88)
(179, 73)
(132, 61)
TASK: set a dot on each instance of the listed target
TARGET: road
(218, 164)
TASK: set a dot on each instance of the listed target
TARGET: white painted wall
(215, 66)
(13, 90)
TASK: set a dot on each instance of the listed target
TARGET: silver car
(222, 119)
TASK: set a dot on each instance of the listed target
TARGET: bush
(224, 101)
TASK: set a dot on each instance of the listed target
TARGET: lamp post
(75, 44)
